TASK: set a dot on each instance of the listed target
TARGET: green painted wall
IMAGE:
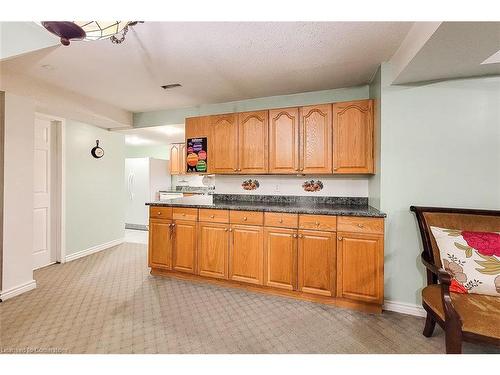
(158, 152)
(440, 147)
(176, 116)
(95, 189)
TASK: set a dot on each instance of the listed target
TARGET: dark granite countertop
(337, 206)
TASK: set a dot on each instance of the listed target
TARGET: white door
(42, 254)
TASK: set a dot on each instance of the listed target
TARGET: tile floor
(109, 303)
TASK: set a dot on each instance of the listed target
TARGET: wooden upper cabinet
(284, 140)
(246, 254)
(316, 262)
(224, 149)
(360, 267)
(353, 137)
(253, 147)
(175, 166)
(316, 139)
(199, 127)
(160, 244)
(184, 246)
(213, 250)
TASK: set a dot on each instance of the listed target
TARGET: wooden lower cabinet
(160, 244)
(213, 250)
(184, 246)
(360, 267)
(246, 254)
(280, 258)
(316, 262)
(300, 256)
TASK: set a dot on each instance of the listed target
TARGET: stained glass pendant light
(89, 30)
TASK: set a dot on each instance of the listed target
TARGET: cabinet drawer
(277, 219)
(160, 212)
(214, 216)
(185, 213)
(360, 224)
(246, 217)
(318, 222)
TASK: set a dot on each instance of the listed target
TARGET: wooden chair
(463, 317)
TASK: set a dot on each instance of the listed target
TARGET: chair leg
(430, 324)
(453, 339)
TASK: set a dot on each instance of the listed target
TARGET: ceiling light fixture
(89, 30)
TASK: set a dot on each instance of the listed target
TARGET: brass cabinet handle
(317, 223)
(159, 212)
(361, 226)
(225, 229)
(235, 170)
(212, 216)
(301, 236)
(173, 225)
(281, 220)
(230, 229)
(295, 235)
(296, 169)
(183, 214)
(239, 169)
(339, 238)
(245, 218)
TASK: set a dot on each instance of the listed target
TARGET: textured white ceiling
(216, 61)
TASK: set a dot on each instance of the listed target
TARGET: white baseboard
(404, 308)
(17, 290)
(93, 249)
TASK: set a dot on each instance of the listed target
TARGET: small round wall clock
(97, 152)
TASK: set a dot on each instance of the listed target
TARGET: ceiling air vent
(171, 86)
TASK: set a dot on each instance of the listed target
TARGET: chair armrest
(430, 266)
(451, 315)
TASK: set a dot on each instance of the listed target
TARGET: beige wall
(17, 271)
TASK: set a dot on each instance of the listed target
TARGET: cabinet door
(213, 250)
(316, 139)
(160, 244)
(360, 264)
(184, 246)
(199, 127)
(246, 254)
(224, 143)
(174, 159)
(182, 159)
(353, 137)
(280, 258)
(284, 140)
(252, 142)
(316, 262)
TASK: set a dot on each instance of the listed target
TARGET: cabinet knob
(173, 225)
(239, 169)
(317, 223)
(159, 212)
(295, 235)
(230, 229)
(339, 238)
(361, 226)
(225, 230)
(281, 220)
(335, 169)
(301, 236)
(183, 214)
(296, 169)
(245, 218)
(234, 169)
(212, 216)
(301, 169)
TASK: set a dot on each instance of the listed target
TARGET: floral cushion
(472, 259)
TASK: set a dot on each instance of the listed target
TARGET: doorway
(47, 191)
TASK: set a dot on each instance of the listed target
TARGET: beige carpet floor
(108, 303)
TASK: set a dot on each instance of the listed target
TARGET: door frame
(58, 219)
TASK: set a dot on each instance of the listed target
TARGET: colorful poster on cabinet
(196, 157)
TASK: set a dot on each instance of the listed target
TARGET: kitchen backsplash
(338, 186)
